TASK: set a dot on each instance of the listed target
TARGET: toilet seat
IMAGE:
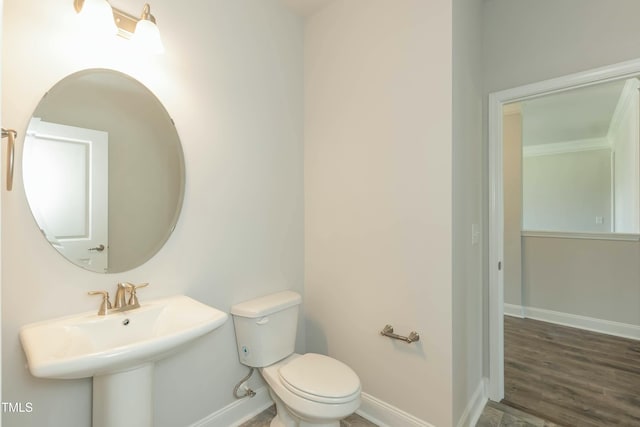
(320, 378)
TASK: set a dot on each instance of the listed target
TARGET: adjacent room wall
(231, 79)
(378, 197)
(556, 278)
(567, 191)
(512, 172)
(599, 279)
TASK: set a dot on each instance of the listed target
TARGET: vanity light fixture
(142, 31)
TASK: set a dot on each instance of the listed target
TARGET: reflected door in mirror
(68, 177)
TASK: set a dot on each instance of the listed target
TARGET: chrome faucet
(120, 302)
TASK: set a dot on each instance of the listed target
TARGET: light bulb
(98, 16)
(147, 36)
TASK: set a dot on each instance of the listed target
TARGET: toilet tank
(266, 328)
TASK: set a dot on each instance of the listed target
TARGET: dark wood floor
(569, 376)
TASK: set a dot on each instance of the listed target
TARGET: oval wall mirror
(103, 170)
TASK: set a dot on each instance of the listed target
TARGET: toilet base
(284, 418)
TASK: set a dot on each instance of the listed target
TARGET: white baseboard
(237, 412)
(385, 415)
(624, 330)
(474, 408)
(374, 410)
(513, 310)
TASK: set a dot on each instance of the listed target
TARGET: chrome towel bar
(11, 135)
(387, 331)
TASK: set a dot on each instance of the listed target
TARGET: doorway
(496, 203)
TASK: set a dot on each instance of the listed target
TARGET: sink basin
(88, 345)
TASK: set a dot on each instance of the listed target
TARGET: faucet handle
(132, 288)
(105, 305)
(133, 298)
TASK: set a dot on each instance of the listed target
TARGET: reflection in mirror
(579, 158)
(103, 170)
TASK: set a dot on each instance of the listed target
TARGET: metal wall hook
(387, 331)
(11, 141)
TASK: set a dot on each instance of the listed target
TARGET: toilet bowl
(315, 390)
(308, 389)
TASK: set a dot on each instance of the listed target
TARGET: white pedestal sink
(118, 350)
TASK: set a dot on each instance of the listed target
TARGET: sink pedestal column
(124, 399)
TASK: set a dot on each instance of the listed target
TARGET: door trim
(496, 196)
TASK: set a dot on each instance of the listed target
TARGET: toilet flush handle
(262, 321)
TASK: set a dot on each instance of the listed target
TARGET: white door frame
(496, 197)
(1, 172)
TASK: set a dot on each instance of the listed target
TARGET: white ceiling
(577, 114)
(306, 8)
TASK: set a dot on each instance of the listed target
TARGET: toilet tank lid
(266, 305)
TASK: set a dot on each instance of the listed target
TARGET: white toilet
(308, 389)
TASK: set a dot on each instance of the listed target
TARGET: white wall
(567, 191)
(468, 396)
(378, 196)
(231, 78)
(624, 134)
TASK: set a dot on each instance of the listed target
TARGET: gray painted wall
(592, 278)
(528, 41)
(467, 203)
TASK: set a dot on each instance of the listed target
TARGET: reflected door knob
(97, 248)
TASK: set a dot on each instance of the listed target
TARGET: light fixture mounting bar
(126, 23)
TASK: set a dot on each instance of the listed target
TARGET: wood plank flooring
(493, 415)
(570, 376)
(499, 415)
(264, 418)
